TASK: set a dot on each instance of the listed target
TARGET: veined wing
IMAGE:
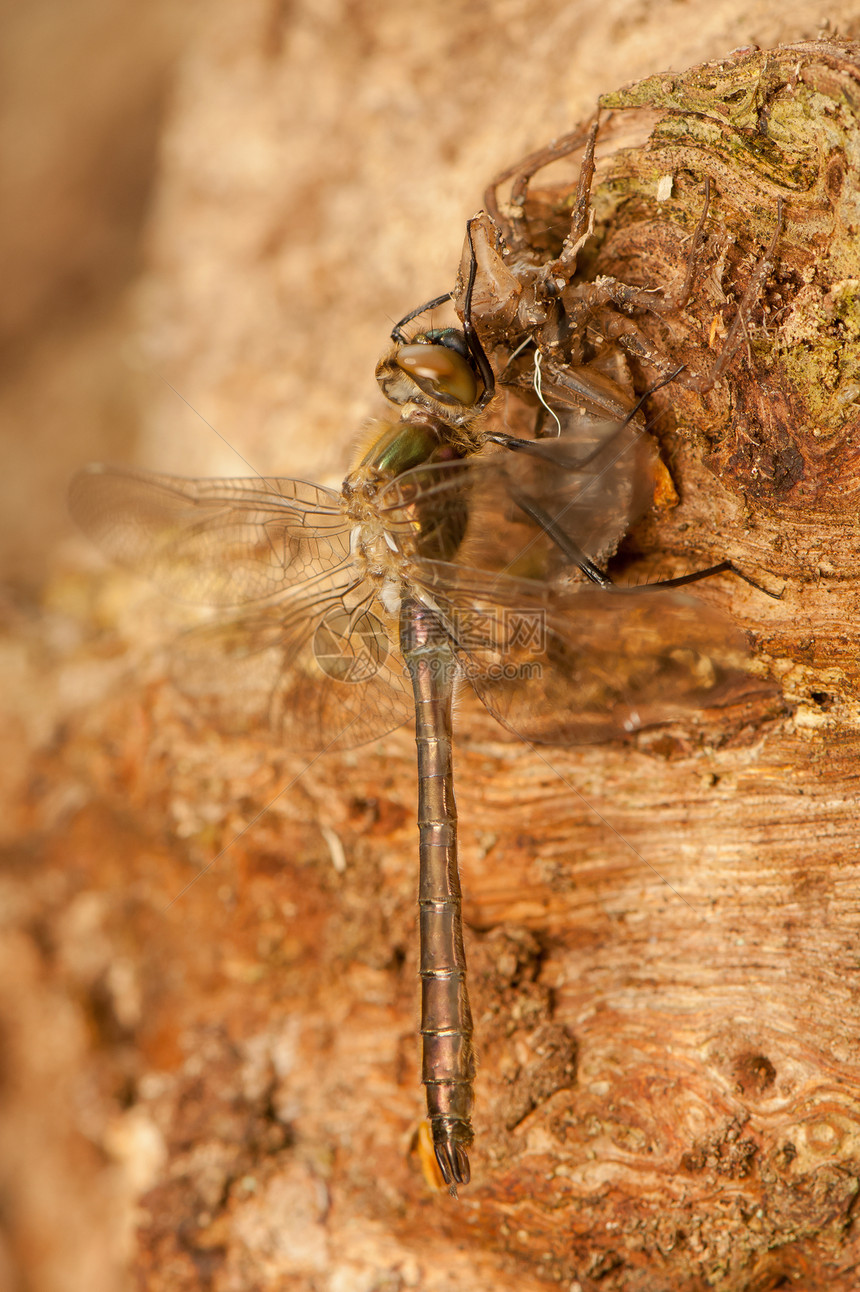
(552, 657)
(480, 512)
(213, 542)
(322, 674)
(313, 660)
(580, 664)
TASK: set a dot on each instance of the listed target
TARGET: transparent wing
(580, 664)
(527, 513)
(494, 540)
(315, 661)
(325, 675)
(212, 542)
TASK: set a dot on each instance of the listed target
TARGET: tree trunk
(209, 994)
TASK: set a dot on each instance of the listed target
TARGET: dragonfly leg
(696, 576)
(563, 541)
(563, 268)
(397, 333)
(594, 574)
(547, 447)
(512, 224)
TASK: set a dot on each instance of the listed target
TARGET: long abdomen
(448, 1062)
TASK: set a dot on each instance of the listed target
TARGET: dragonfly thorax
(374, 548)
(384, 498)
(393, 448)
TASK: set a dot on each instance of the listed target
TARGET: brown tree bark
(211, 1080)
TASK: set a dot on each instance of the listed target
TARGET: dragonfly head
(438, 363)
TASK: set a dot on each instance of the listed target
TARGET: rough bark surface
(212, 1082)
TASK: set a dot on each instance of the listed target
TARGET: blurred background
(210, 215)
(239, 199)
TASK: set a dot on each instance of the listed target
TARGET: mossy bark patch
(776, 134)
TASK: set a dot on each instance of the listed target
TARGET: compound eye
(440, 372)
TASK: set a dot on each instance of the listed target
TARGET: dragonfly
(469, 542)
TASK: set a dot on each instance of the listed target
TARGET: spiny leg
(548, 448)
(397, 331)
(563, 541)
(511, 227)
(551, 526)
(594, 574)
(722, 567)
(607, 290)
(581, 220)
